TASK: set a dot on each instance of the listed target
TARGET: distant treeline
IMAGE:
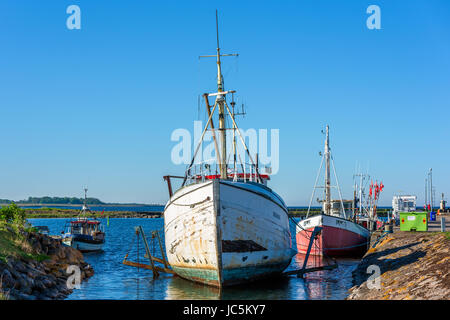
(70, 200)
(55, 200)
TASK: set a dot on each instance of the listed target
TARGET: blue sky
(97, 106)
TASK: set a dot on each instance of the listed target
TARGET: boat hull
(83, 246)
(223, 233)
(339, 237)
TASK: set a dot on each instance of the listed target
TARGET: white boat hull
(83, 246)
(223, 233)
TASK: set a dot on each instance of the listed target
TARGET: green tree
(12, 213)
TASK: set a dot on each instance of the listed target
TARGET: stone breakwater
(26, 279)
(413, 265)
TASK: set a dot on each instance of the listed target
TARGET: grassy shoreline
(14, 245)
(34, 266)
(106, 205)
(72, 213)
(48, 212)
(56, 212)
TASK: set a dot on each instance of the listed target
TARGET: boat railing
(209, 170)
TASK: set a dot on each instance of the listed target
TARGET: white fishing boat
(225, 227)
(83, 233)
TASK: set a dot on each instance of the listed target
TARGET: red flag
(377, 190)
(381, 186)
(103, 211)
(370, 189)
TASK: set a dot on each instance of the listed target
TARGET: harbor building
(404, 203)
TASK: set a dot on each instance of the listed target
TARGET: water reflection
(113, 280)
(274, 288)
(181, 289)
(327, 284)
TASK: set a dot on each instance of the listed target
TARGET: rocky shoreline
(413, 266)
(31, 279)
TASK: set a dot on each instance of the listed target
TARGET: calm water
(113, 280)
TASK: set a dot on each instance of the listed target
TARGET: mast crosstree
(220, 100)
(223, 109)
(329, 162)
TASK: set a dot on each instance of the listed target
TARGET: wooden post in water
(147, 249)
(166, 265)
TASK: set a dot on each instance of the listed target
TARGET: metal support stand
(148, 255)
(304, 270)
(147, 250)
(314, 234)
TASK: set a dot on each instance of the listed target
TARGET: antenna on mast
(218, 55)
(217, 30)
(220, 102)
(219, 68)
(222, 106)
(329, 162)
(85, 195)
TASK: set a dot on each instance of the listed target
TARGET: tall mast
(234, 139)
(360, 193)
(327, 175)
(431, 189)
(84, 208)
(220, 101)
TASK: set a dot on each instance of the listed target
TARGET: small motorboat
(83, 233)
(42, 230)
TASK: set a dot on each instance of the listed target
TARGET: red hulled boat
(340, 236)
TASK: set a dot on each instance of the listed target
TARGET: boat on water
(365, 205)
(341, 235)
(42, 230)
(83, 233)
(225, 227)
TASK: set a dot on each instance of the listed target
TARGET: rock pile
(25, 279)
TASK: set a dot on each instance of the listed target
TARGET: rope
(381, 237)
(192, 204)
(129, 249)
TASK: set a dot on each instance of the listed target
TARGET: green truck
(413, 221)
